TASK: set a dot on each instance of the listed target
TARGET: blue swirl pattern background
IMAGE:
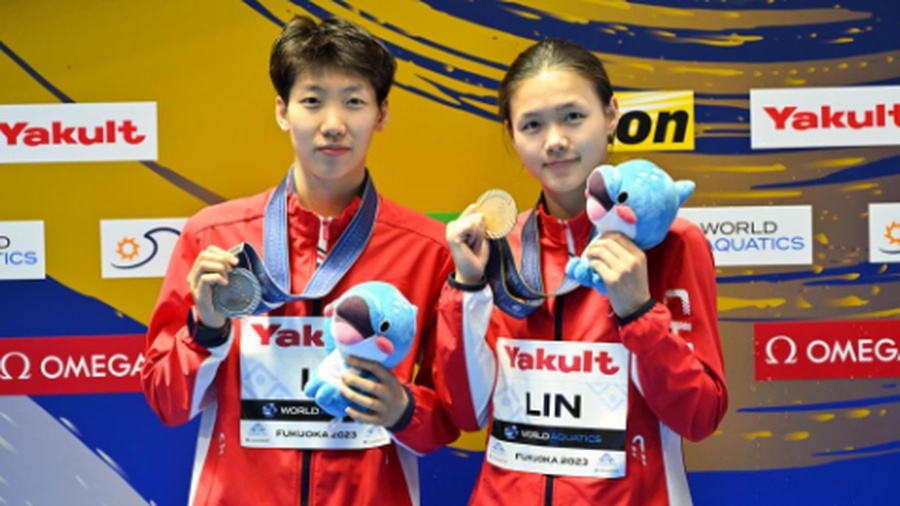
(797, 442)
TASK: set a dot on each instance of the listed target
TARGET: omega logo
(26, 366)
(792, 353)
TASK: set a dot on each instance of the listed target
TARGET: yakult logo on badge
(587, 361)
(825, 117)
(138, 248)
(765, 235)
(884, 233)
(22, 250)
(305, 335)
(78, 132)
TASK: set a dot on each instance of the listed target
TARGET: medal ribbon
(518, 291)
(273, 271)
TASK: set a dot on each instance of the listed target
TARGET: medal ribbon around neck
(258, 285)
(519, 290)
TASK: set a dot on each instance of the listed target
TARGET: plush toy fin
(684, 188)
(635, 198)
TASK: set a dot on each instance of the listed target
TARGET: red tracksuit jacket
(676, 382)
(182, 378)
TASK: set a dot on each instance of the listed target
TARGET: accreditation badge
(278, 356)
(560, 408)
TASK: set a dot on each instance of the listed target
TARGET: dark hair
(333, 44)
(550, 54)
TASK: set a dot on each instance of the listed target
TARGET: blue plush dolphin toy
(372, 320)
(636, 198)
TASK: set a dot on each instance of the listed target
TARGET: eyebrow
(349, 89)
(560, 107)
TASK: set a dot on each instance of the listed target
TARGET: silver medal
(240, 296)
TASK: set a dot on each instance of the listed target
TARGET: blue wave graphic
(863, 450)
(884, 168)
(778, 44)
(823, 406)
(868, 274)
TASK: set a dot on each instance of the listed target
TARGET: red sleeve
(177, 373)
(431, 426)
(676, 344)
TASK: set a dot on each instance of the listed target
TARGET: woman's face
(560, 129)
(331, 118)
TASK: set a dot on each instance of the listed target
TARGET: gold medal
(499, 211)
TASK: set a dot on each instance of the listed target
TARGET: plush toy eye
(623, 197)
(385, 325)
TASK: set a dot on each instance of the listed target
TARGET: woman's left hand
(385, 398)
(623, 268)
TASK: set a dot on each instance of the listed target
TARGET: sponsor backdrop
(119, 120)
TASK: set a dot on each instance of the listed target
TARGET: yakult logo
(787, 118)
(276, 334)
(587, 361)
(822, 350)
(825, 117)
(58, 133)
(78, 132)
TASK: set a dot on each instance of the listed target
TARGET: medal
(240, 296)
(499, 211)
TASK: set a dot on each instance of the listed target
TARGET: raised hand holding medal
(499, 211)
(235, 295)
(490, 218)
(240, 296)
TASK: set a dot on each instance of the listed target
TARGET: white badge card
(278, 357)
(560, 408)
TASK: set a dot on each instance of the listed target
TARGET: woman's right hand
(469, 246)
(211, 268)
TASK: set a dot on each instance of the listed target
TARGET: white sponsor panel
(884, 233)
(561, 408)
(22, 251)
(78, 132)
(278, 355)
(824, 117)
(138, 248)
(756, 235)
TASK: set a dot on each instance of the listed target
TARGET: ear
(507, 127)
(281, 114)
(612, 113)
(384, 113)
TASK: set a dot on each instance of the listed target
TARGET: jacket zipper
(304, 477)
(557, 336)
(305, 474)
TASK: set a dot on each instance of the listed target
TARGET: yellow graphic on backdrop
(655, 121)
